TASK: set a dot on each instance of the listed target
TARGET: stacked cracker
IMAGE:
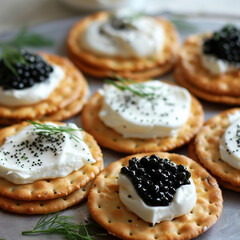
(49, 195)
(134, 68)
(108, 210)
(205, 149)
(109, 138)
(64, 102)
(189, 73)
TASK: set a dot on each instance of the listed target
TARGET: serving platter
(227, 227)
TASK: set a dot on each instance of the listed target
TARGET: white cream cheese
(143, 117)
(229, 145)
(29, 156)
(34, 94)
(183, 202)
(217, 66)
(124, 35)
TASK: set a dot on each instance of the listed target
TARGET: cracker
(107, 137)
(226, 84)
(118, 64)
(45, 206)
(207, 148)
(107, 209)
(179, 77)
(67, 112)
(51, 188)
(66, 92)
(192, 154)
(136, 75)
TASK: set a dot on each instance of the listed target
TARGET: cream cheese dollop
(38, 92)
(29, 156)
(146, 117)
(217, 66)
(124, 34)
(183, 202)
(229, 145)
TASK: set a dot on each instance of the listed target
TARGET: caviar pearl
(156, 179)
(35, 70)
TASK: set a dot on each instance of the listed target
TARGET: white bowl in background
(95, 5)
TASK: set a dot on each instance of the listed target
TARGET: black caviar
(156, 179)
(224, 44)
(35, 70)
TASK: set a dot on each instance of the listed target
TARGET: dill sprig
(138, 89)
(63, 226)
(11, 49)
(46, 129)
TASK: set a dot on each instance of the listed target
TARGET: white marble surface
(16, 13)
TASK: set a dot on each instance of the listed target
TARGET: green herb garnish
(63, 226)
(11, 49)
(46, 129)
(134, 87)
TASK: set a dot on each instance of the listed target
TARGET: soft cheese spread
(31, 155)
(182, 203)
(229, 145)
(125, 34)
(217, 66)
(160, 113)
(36, 93)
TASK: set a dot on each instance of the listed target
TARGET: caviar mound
(224, 44)
(34, 69)
(156, 179)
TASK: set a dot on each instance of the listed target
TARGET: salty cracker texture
(109, 138)
(107, 209)
(181, 80)
(66, 92)
(138, 76)
(226, 84)
(118, 64)
(68, 111)
(207, 148)
(45, 206)
(192, 154)
(51, 188)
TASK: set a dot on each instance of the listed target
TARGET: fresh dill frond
(138, 89)
(46, 129)
(11, 49)
(63, 225)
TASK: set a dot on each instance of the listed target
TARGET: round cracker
(226, 84)
(67, 112)
(66, 92)
(192, 154)
(207, 148)
(107, 209)
(181, 80)
(51, 188)
(45, 206)
(118, 64)
(109, 138)
(136, 75)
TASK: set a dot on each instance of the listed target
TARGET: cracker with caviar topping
(67, 112)
(45, 206)
(72, 88)
(207, 148)
(199, 77)
(47, 189)
(109, 138)
(101, 66)
(107, 209)
(181, 80)
(192, 154)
